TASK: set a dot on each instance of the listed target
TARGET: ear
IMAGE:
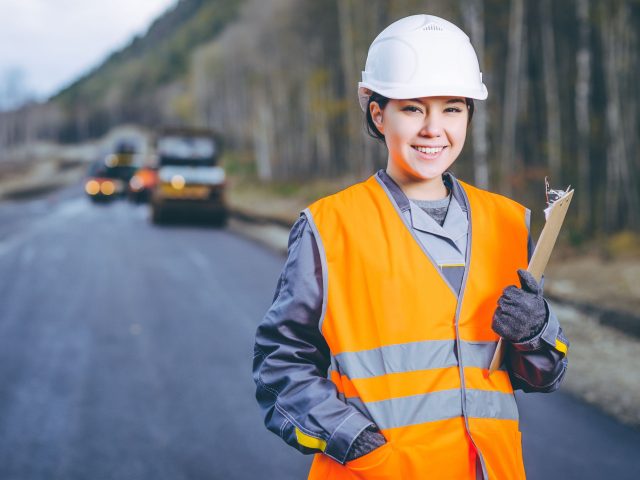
(376, 116)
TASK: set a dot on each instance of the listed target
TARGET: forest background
(277, 78)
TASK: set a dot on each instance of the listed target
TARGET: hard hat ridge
(421, 56)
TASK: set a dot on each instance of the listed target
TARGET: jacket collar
(403, 202)
(456, 223)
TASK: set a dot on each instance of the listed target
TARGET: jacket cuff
(546, 336)
(344, 435)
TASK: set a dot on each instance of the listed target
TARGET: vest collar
(402, 205)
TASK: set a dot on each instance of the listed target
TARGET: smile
(428, 150)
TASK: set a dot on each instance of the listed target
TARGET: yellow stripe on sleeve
(561, 346)
(309, 441)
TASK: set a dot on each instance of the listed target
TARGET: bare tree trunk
(552, 98)
(263, 134)
(621, 201)
(628, 54)
(350, 78)
(583, 90)
(510, 108)
(473, 15)
(319, 96)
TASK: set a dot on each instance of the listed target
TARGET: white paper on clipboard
(554, 215)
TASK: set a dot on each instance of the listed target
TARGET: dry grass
(609, 283)
(283, 201)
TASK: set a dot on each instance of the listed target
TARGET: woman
(375, 352)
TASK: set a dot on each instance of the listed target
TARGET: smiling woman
(375, 352)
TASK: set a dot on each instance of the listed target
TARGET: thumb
(528, 283)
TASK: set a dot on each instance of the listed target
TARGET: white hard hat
(421, 56)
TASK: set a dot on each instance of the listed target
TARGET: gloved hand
(368, 440)
(521, 312)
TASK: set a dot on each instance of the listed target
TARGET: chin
(426, 173)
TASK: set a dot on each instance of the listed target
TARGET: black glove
(368, 440)
(521, 312)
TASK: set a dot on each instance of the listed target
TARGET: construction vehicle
(190, 182)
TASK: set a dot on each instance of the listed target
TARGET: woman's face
(424, 135)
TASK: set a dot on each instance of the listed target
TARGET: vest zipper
(457, 318)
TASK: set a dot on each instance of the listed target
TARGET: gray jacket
(291, 357)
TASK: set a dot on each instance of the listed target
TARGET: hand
(368, 440)
(521, 312)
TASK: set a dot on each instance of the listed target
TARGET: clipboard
(555, 214)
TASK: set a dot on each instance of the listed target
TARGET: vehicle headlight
(107, 188)
(111, 160)
(135, 183)
(178, 182)
(92, 187)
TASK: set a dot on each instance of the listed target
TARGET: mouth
(428, 151)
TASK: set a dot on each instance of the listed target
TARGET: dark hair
(372, 130)
(382, 101)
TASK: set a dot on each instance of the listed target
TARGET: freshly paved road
(125, 353)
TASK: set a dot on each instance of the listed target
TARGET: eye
(453, 110)
(411, 108)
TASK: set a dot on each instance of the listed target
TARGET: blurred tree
(552, 93)
(473, 15)
(582, 114)
(278, 79)
(511, 97)
(621, 194)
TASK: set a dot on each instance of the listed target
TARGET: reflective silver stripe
(491, 404)
(403, 411)
(403, 357)
(431, 407)
(407, 357)
(334, 364)
(477, 354)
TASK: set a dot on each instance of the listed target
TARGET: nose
(432, 126)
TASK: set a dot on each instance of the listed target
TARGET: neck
(419, 189)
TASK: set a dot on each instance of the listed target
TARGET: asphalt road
(125, 353)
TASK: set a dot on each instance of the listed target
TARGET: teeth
(429, 150)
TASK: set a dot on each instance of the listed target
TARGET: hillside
(134, 84)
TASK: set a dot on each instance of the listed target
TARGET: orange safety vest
(407, 352)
